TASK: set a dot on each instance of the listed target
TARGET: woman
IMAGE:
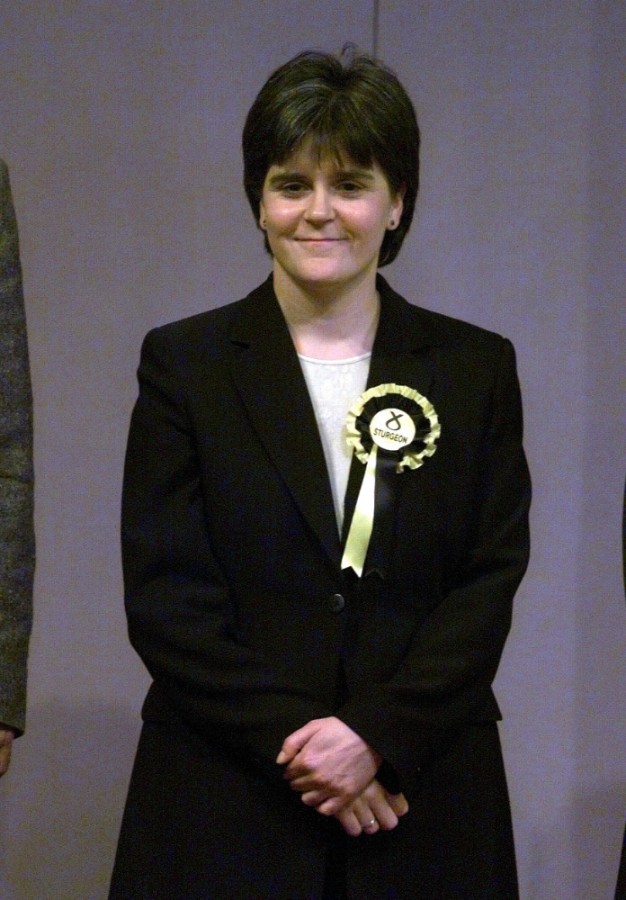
(324, 523)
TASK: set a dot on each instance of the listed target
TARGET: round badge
(392, 429)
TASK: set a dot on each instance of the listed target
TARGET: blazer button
(336, 603)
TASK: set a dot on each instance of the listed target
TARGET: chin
(321, 281)
(322, 272)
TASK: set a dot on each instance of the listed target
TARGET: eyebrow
(285, 175)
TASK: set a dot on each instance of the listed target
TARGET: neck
(328, 324)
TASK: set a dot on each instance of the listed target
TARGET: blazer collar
(401, 355)
(269, 378)
(403, 336)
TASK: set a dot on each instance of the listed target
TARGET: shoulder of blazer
(256, 315)
(404, 326)
(427, 327)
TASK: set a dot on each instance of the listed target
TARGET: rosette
(391, 427)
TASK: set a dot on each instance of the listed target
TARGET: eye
(349, 186)
(293, 188)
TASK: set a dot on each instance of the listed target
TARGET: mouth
(319, 240)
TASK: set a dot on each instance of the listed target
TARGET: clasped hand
(334, 770)
(6, 741)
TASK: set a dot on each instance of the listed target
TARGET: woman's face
(325, 221)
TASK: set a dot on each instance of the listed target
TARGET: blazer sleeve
(180, 611)
(17, 540)
(445, 677)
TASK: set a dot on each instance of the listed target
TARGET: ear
(397, 206)
(262, 219)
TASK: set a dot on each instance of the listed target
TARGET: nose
(320, 207)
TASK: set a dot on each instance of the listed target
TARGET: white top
(334, 385)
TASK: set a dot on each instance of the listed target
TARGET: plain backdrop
(121, 125)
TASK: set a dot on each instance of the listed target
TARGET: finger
(300, 781)
(349, 822)
(398, 803)
(300, 777)
(333, 805)
(365, 813)
(385, 816)
(296, 769)
(294, 742)
(376, 800)
(315, 798)
(371, 825)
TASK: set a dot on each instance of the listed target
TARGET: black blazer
(234, 593)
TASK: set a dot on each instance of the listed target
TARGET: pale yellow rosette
(403, 424)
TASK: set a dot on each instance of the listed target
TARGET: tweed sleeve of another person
(17, 550)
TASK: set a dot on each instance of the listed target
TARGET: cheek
(374, 225)
(281, 219)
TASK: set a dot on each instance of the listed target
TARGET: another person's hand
(328, 763)
(6, 742)
(375, 809)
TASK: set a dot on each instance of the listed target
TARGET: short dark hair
(349, 104)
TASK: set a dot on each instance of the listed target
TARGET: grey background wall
(121, 124)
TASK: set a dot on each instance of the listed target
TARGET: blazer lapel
(404, 336)
(269, 379)
(401, 355)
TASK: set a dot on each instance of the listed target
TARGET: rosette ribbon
(390, 428)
